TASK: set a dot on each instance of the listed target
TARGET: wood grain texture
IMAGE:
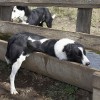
(61, 3)
(5, 13)
(89, 41)
(84, 20)
(96, 80)
(96, 85)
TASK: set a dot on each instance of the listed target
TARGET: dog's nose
(88, 63)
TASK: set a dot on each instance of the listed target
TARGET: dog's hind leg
(15, 68)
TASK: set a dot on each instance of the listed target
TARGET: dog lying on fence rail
(21, 45)
(35, 17)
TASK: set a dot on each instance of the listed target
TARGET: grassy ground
(33, 86)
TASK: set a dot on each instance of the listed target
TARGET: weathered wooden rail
(89, 41)
(60, 3)
(75, 74)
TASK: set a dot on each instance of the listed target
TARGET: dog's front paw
(14, 92)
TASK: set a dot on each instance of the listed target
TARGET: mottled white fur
(18, 14)
(53, 16)
(15, 68)
(43, 40)
(32, 40)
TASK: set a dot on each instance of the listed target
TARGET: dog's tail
(53, 16)
(7, 55)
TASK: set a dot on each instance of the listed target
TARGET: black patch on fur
(73, 52)
(32, 47)
(39, 16)
(48, 47)
(18, 44)
(26, 9)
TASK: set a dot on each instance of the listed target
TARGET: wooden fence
(84, 74)
(84, 12)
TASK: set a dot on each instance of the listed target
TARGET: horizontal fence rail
(60, 3)
(89, 41)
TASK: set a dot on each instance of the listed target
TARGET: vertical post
(96, 86)
(84, 20)
(5, 13)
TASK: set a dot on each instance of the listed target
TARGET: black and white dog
(22, 44)
(35, 17)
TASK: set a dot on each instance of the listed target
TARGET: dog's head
(19, 13)
(75, 52)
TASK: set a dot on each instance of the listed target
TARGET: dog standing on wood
(35, 17)
(21, 45)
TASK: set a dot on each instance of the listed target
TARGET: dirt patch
(66, 19)
(33, 86)
(66, 24)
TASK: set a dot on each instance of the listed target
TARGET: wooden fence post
(84, 20)
(96, 86)
(5, 13)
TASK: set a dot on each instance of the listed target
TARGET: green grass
(55, 91)
(63, 11)
(4, 36)
(61, 89)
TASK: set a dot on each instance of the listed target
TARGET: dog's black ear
(68, 48)
(25, 8)
(21, 7)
